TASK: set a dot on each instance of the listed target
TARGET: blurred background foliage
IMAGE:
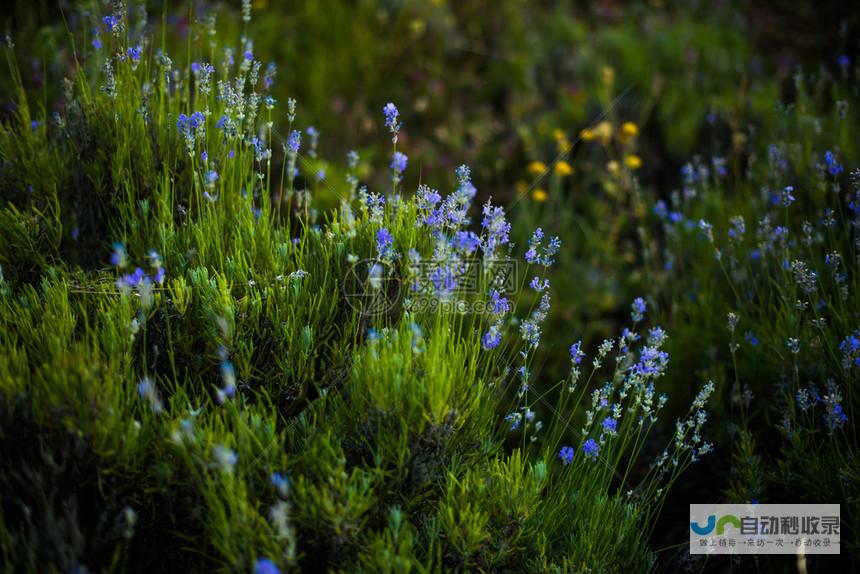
(493, 85)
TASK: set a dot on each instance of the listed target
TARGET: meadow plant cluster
(770, 271)
(196, 372)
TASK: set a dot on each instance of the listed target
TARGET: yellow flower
(628, 131)
(563, 169)
(540, 195)
(612, 166)
(604, 132)
(561, 140)
(537, 168)
(633, 161)
(587, 134)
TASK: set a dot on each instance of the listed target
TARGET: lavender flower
(149, 392)
(265, 566)
(576, 353)
(539, 285)
(530, 329)
(134, 53)
(496, 229)
(514, 419)
(281, 483)
(492, 338)
(834, 168)
(467, 242)
(384, 244)
(591, 448)
(118, 257)
(610, 425)
(111, 22)
(398, 166)
(294, 141)
(566, 454)
(500, 305)
(375, 206)
(392, 120)
(737, 227)
(538, 253)
(834, 416)
(850, 348)
(637, 309)
(190, 127)
(225, 458)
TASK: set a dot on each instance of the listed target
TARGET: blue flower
(591, 448)
(467, 241)
(737, 227)
(610, 425)
(134, 53)
(787, 197)
(384, 243)
(398, 162)
(465, 188)
(111, 22)
(751, 338)
(391, 119)
(576, 353)
(130, 280)
(833, 166)
(294, 141)
(500, 305)
(375, 205)
(566, 454)
(652, 362)
(850, 348)
(118, 257)
(269, 77)
(491, 338)
(497, 230)
(281, 483)
(189, 126)
(539, 285)
(149, 392)
(637, 309)
(266, 566)
(540, 254)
